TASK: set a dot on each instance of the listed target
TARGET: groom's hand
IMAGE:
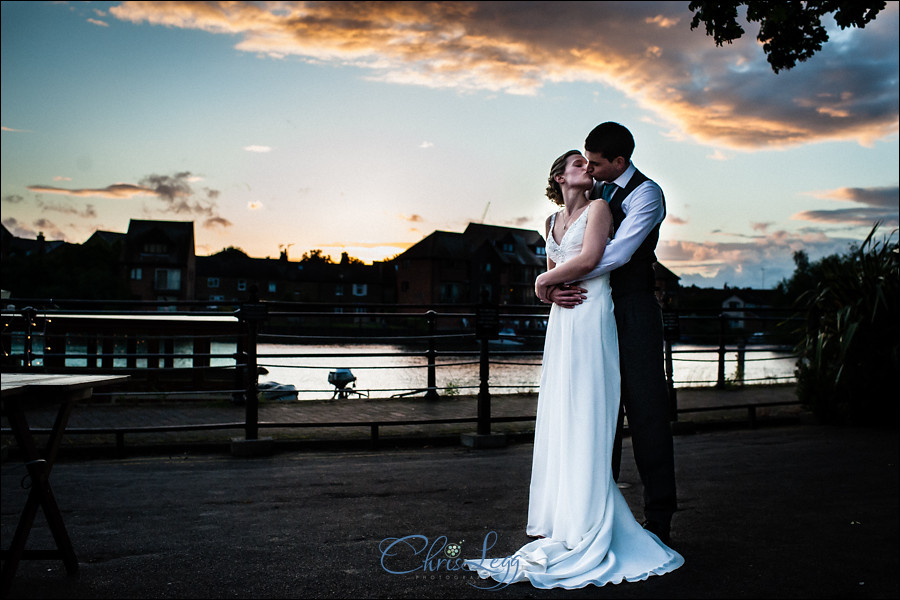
(567, 296)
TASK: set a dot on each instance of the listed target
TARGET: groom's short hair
(610, 140)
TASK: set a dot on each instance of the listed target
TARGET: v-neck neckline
(566, 231)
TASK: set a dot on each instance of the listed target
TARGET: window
(540, 251)
(508, 247)
(359, 289)
(450, 292)
(155, 249)
(487, 267)
(339, 290)
(212, 282)
(168, 279)
(272, 287)
(217, 298)
(136, 274)
(242, 285)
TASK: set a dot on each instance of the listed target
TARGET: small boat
(507, 339)
(273, 391)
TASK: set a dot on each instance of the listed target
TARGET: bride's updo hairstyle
(554, 192)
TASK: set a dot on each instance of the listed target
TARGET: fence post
(671, 332)
(251, 396)
(240, 370)
(484, 390)
(91, 350)
(720, 379)
(250, 314)
(741, 356)
(431, 393)
(487, 327)
(29, 314)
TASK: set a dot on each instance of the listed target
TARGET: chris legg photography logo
(440, 558)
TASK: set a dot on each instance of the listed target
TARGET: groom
(638, 209)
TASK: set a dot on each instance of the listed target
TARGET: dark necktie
(607, 191)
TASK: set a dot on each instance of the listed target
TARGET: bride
(585, 533)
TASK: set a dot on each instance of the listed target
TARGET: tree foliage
(316, 256)
(849, 356)
(790, 31)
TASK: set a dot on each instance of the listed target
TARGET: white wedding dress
(589, 535)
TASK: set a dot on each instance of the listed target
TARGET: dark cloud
(216, 222)
(520, 221)
(87, 211)
(879, 197)
(863, 217)
(175, 191)
(169, 187)
(18, 229)
(877, 204)
(22, 230)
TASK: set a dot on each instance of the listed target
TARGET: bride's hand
(541, 290)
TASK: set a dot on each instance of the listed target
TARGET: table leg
(41, 494)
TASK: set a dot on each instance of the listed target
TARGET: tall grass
(849, 359)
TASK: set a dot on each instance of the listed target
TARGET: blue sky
(363, 127)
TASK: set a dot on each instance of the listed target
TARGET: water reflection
(384, 376)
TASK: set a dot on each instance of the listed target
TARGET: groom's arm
(646, 208)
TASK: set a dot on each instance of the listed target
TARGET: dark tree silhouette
(791, 31)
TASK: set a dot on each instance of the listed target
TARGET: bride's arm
(596, 233)
(550, 265)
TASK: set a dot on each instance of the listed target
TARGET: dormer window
(156, 249)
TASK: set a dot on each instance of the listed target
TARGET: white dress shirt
(644, 209)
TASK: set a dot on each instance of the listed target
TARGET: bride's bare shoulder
(599, 205)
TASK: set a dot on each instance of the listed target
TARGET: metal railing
(141, 339)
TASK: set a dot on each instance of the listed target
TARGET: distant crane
(285, 247)
(485, 212)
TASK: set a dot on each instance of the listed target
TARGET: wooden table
(21, 391)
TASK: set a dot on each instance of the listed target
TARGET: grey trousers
(645, 401)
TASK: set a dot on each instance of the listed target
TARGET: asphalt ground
(355, 416)
(790, 509)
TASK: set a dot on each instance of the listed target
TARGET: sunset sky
(364, 126)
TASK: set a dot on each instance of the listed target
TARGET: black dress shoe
(660, 530)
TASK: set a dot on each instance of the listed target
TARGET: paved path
(796, 511)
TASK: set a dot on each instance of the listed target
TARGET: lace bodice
(570, 244)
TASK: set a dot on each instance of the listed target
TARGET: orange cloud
(116, 190)
(723, 96)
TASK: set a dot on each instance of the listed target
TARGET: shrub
(850, 356)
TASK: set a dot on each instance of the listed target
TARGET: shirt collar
(623, 179)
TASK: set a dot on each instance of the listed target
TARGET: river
(384, 376)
